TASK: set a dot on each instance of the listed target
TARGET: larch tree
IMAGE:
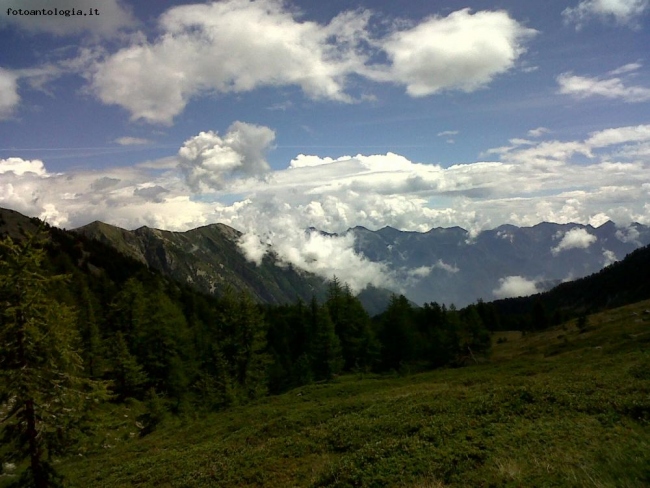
(44, 394)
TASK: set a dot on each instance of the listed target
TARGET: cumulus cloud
(613, 87)
(230, 46)
(9, 98)
(235, 46)
(19, 166)
(623, 12)
(207, 159)
(113, 16)
(515, 286)
(209, 182)
(574, 239)
(462, 51)
(303, 160)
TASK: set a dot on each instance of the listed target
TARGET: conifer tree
(352, 325)
(127, 375)
(42, 388)
(397, 333)
(325, 349)
(243, 343)
(89, 332)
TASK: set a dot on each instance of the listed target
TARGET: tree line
(80, 325)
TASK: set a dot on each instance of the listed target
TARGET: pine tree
(397, 334)
(325, 349)
(242, 343)
(89, 332)
(42, 387)
(352, 325)
(127, 375)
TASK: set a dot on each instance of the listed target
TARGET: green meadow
(562, 407)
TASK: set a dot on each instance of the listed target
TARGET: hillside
(208, 259)
(618, 284)
(557, 408)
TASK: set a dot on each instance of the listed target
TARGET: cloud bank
(225, 178)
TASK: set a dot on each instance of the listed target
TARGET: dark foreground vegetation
(113, 375)
(554, 408)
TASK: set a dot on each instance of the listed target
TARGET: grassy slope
(556, 408)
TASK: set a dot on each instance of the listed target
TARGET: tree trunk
(35, 454)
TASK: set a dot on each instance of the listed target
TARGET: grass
(556, 408)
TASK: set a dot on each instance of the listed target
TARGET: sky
(273, 117)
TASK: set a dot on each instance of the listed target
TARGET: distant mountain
(445, 265)
(448, 265)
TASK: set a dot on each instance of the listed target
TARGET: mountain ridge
(444, 264)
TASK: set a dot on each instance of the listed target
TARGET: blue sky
(275, 116)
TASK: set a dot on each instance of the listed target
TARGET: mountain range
(450, 265)
(445, 265)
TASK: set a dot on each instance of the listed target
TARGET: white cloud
(534, 182)
(614, 88)
(20, 166)
(619, 135)
(9, 98)
(623, 12)
(277, 225)
(446, 133)
(540, 131)
(463, 51)
(626, 68)
(629, 234)
(113, 15)
(230, 46)
(449, 268)
(421, 272)
(207, 160)
(515, 286)
(11, 80)
(609, 257)
(574, 239)
(235, 46)
(302, 161)
(132, 141)
(416, 274)
(598, 219)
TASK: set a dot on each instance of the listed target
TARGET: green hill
(555, 408)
